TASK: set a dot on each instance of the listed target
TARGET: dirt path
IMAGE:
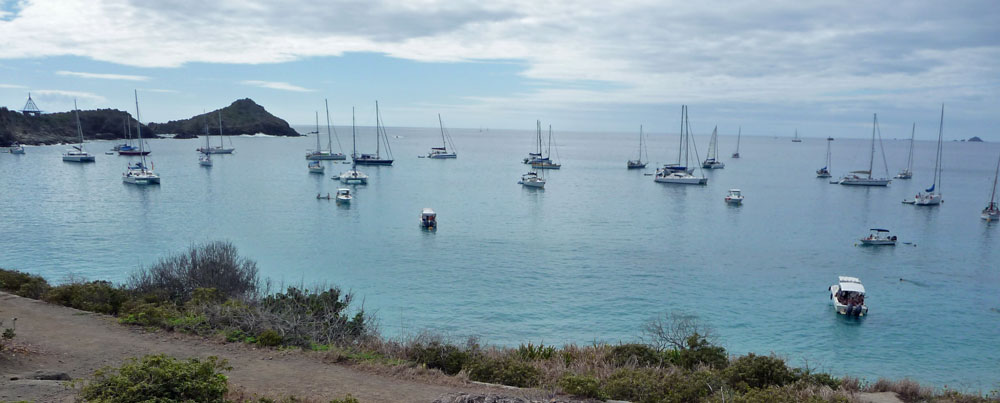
(77, 343)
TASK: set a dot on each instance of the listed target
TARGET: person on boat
(327, 195)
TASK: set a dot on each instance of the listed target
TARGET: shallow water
(591, 257)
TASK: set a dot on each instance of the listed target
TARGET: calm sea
(591, 257)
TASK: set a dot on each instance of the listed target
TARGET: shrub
(582, 385)
(816, 378)
(8, 334)
(758, 371)
(531, 352)
(269, 338)
(346, 399)
(636, 385)
(215, 265)
(95, 296)
(447, 357)
(147, 314)
(638, 354)
(506, 371)
(160, 378)
(23, 284)
(775, 394)
(700, 352)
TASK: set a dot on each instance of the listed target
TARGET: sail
(930, 189)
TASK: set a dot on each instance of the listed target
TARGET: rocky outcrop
(976, 139)
(54, 128)
(241, 117)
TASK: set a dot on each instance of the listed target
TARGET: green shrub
(506, 371)
(639, 354)
(23, 284)
(700, 352)
(531, 352)
(158, 378)
(95, 296)
(758, 371)
(448, 358)
(816, 378)
(148, 315)
(269, 338)
(346, 399)
(582, 385)
(658, 385)
(215, 265)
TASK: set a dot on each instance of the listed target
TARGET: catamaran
(380, 135)
(711, 160)
(354, 176)
(992, 212)
(546, 162)
(219, 149)
(327, 154)
(908, 172)
(139, 173)
(824, 172)
(77, 153)
(738, 135)
(932, 195)
(442, 152)
(677, 173)
(867, 180)
(638, 163)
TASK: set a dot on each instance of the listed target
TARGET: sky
(820, 67)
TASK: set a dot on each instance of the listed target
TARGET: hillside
(54, 128)
(243, 116)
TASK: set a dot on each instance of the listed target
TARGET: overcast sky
(771, 67)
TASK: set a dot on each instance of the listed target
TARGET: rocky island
(243, 116)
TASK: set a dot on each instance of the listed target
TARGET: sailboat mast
(538, 135)
(329, 140)
(680, 143)
(738, 135)
(871, 160)
(317, 132)
(441, 125)
(937, 162)
(640, 143)
(548, 151)
(221, 145)
(138, 129)
(354, 141)
(909, 158)
(79, 128)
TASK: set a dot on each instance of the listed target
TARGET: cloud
(12, 86)
(159, 90)
(276, 85)
(102, 76)
(61, 96)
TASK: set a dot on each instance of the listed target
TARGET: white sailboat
(824, 172)
(992, 212)
(139, 173)
(682, 154)
(537, 155)
(77, 153)
(354, 176)
(442, 152)
(932, 195)
(796, 139)
(908, 172)
(327, 154)
(711, 160)
(639, 163)
(855, 180)
(219, 149)
(380, 137)
(678, 173)
(546, 162)
(532, 180)
(738, 135)
(205, 159)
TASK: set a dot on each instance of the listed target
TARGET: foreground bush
(95, 296)
(505, 371)
(446, 357)
(217, 265)
(158, 378)
(23, 284)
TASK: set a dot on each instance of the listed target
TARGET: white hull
(441, 156)
(878, 242)
(994, 216)
(354, 177)
(904, 175)
(326, 157)
(141, 179)
(841, 308)
(216, 150)
(864, 182)
(927, 199)
(205, 163)
(681, 179)
(533, 183)
(733, 200)
(79, 158)
(316, 170)
(715, 165)
(344, 200)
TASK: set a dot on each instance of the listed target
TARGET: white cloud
(61, 96)
(159, 90)
(102, 76)
(276, 85)
(12, 86)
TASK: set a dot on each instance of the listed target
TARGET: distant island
(976, 139)
(243, 116)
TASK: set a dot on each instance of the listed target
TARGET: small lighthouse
(30, 109)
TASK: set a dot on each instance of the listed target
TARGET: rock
(42, 375)
(976, 139)
(243, 116)
(54, 128)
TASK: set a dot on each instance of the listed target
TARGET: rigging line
(885, 162)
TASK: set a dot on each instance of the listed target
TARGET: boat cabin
(428, 218)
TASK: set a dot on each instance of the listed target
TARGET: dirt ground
(57, 339)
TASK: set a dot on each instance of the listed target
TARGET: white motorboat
(639, 163)
(848, 297)
(344, 195)
(907, 173)
(16, 149)
(205, 160)
(735, 196)
(316, 167)
(932, 195)
(678, 173)
(442, 152)
(219, 149)
(854, 179)
(428, 218)
(139, 173)
(879, 237)
(824, 172)
(532, 180)
(327, 154)
(77, 153)
(992, 212)
(712, 160)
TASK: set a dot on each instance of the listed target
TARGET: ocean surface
(590, 258)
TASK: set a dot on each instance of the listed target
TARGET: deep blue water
(591, 257)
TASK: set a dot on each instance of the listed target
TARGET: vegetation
(160, 378)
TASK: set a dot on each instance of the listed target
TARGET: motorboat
(735, 196)
(428, 218)
(205, 160)
(878, 237)
(16, 149)
(77, 153)
(848, 297)
(316, 167)
(532, 180)
(344, 195)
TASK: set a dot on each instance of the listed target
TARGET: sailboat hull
(131, 153)
(441, 156)
(79, 158)
(216, 150)
(372, 161)
(713, 165)
(636, 165)
(927, 199)
(326, 157)
(904, 175)
(681, 179)
(864, 182)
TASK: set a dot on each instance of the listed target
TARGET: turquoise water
(591, 257)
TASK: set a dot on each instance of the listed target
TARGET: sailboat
(139, 173)
(327, 154)
(537, 155)
(205, 159)
(442, 152)
(738, 135)
(219, 149)
(638, 163)
(824, 172)
(932, 195)
(678, 173)
(681, 151)
(546, 162)
(711, 160)
(77, 153)
(380, 136)
(992, 212)
(854, 179)
(127, 148)
(908, 172)
(354, 176)
(796, 139)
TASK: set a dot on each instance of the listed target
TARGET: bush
(346, 399)
(506, 371)
(23, 284)
(161, 379)
(8, 334)
(700, 352)
(658, 385)
(95, 296)
(775, 394)
(638, 354)
(531, 352)
(817, 378)
(215, 265)
(757, 371)
(269, 338)
(582, 385)
(448, 358)
(148, 314)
